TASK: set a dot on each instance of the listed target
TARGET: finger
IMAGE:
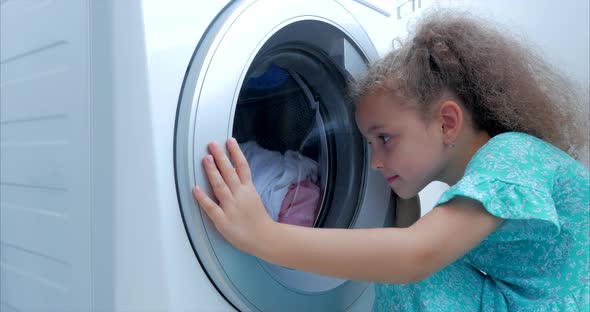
(214, 212)
(242, 167)
(218, 185)
(224, 165)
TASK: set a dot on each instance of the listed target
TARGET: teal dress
(537, 259)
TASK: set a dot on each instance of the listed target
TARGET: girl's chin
(404, 194)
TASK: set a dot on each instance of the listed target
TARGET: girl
(462, 104)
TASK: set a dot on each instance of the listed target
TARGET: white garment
(273, 172)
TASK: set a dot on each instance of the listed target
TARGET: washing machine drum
(273, 111)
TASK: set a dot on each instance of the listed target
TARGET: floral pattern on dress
(538, 259)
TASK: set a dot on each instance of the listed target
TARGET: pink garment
(300, 204)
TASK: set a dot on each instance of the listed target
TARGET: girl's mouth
(392, 178)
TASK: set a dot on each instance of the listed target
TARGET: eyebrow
(375, 127)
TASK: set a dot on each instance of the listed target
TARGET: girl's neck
(465, 147)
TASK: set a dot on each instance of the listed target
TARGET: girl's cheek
(392, 158)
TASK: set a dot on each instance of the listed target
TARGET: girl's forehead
(379, 109)
(382, 102)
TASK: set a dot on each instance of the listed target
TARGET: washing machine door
(273, 74)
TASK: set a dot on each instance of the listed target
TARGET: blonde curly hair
(500, 81)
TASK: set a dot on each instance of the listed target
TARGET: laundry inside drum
(279, 127)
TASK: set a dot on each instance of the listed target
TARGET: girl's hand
(240, 215)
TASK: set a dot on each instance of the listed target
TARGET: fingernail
(197, 190)
(232, 141)
(209, 159)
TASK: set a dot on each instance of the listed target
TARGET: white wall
(561, 30)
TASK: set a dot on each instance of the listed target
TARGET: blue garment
(537, 259)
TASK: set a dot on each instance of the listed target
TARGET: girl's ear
(450, 115)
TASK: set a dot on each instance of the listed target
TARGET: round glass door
(294, 125)
(281, 92)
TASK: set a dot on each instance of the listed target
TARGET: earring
(452, 145)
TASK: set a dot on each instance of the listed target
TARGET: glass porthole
(291, 125)
(281, 92)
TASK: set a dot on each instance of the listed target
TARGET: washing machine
(106, 110)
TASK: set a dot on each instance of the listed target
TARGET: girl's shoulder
(519, 177)
(513, 153)
(515, 138)
(514, 144)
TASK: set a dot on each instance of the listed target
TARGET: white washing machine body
(106, 110)
(208, 79)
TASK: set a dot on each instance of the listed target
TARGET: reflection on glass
(274, 124)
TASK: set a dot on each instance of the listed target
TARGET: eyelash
(383, 138)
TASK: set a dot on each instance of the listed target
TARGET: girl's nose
(376, 162)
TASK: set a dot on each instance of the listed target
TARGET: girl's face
(407, 150)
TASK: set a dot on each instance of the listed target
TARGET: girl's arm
(392, 255)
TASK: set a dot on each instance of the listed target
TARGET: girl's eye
(384, 138)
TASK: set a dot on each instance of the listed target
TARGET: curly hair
(499, 80)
